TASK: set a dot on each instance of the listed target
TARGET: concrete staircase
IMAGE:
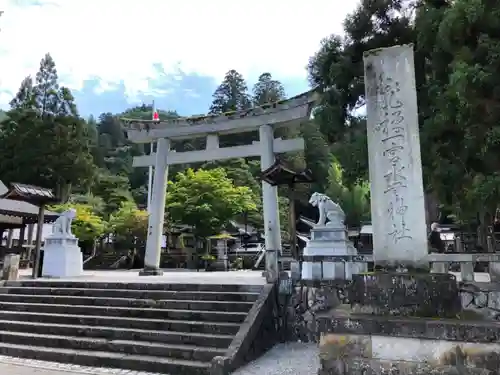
(163, 328)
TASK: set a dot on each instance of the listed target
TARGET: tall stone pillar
(397, 194)
(272, 231)
(157, 211)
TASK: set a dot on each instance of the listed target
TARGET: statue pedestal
(62, 257)
(329, 241)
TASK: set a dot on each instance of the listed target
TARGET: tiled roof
(31, 191)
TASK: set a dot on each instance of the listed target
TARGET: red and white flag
(156, 116)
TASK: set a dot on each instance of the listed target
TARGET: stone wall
(342, 354)
(307, 301)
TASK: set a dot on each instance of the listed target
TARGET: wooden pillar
(38, 244)
(31, 229)
(292, 222)
(10, 238)
(20, 242)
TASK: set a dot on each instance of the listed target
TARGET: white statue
(328, 209)
(62, 225)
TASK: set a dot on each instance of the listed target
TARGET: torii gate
(265, 118)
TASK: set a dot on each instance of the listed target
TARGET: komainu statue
(328, 210)
(62, 225)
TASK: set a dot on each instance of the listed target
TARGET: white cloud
(119, 40)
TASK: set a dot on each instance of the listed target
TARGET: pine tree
(47, 88)
(59, 153)
(267, 90)
(231, 95)
(24, 98)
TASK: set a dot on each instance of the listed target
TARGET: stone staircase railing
(440, 263)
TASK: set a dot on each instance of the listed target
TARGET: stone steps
(122, 311)
(140, 294)
(93, 358)
(104, 260)
(179, 351)
(154, 327)
(118, 333)
(223, 306)
(136, 323)
(145, 287)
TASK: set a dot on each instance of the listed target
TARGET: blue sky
(115, 54)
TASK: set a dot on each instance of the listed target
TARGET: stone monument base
(150, 272)
(365, 344)
(62, 258)
(406, 294)
(11, 267)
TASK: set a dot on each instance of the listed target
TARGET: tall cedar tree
(44, 116)
(267, 90)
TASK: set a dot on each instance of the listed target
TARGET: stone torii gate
(264, 119)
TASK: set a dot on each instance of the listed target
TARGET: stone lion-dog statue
(328, 210)
(62, 225)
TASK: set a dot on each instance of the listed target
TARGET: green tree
(113, 189)
(317, 154)
(353, 199)
(44, 116)
(241, 173)
(461, 129)
(130, 226)
(206, 200)
(46, 89)
(267, 90)
(231, 95)
(96, 203)
(337, 71)
(25, 96)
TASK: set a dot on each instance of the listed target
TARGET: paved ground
(244, 277)
(283, 359)
(292, 358)
(19, 366)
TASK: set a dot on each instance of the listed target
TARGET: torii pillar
(156, 218)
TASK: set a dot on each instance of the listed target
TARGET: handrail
(117, 263)
(91, 256)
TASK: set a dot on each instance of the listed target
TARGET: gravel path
(285, 359)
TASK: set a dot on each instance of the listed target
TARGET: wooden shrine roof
(27, 211)
(279, 174)
(31, 194)
(19, 204)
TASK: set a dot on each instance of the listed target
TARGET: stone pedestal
(222, 258)
(405, 294)
(62, 257)
(10, 269)
(328, 241)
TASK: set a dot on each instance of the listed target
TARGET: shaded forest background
(457, 56)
